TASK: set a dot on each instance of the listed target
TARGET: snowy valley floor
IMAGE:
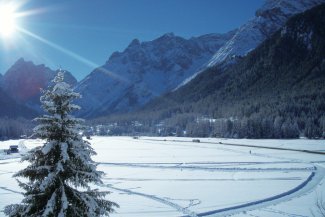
(167, 177)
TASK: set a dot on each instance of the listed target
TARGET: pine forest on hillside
(275, 91)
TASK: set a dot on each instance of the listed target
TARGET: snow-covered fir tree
(61, 170)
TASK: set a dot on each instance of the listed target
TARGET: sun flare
(7, 20)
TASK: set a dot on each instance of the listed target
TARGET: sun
(7, 20)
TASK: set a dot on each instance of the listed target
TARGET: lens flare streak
(71, 54)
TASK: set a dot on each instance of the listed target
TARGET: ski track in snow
(282, 212)
(316, 176)
(221, 169)
(207, 180)
(305, 187)
(311, 182)
(215, 146)
(166, 201)
(10, 190)
(317, 173)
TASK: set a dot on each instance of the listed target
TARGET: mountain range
(276, 91)
(24, 80)
(144, 71)
(129, 79)
(147, 70)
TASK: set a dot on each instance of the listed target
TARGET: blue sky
(80, 35)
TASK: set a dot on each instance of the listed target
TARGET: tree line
(15, 128)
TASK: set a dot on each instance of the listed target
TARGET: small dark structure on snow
(12, 149)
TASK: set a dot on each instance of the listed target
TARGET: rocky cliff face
(144, 70)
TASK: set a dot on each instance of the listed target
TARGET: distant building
(13, 149)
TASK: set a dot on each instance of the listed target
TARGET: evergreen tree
(61, 170)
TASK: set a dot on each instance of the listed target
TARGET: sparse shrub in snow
(61, 170)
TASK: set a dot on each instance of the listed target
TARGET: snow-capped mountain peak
(268, 19)
(144, 70)
(151, 69)
(288, 7)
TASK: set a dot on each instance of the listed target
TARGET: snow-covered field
(164, 177)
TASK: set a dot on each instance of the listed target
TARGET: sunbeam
(72, 54)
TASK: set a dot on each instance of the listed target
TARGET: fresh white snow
(269, 18)
(176, 177)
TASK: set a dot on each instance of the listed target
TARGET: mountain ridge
(145, 70)
(24, 80)
(268, 19)
(276, 91)
(151, 69)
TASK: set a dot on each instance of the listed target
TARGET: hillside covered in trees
(276, 91)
